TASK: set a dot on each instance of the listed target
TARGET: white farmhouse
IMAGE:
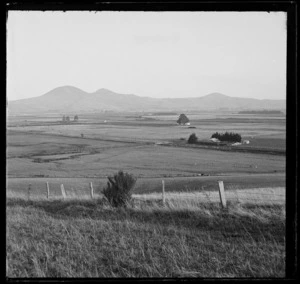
(236, 144)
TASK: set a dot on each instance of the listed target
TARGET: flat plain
(44, 147)
(190, 237)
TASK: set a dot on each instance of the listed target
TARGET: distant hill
(71, 99)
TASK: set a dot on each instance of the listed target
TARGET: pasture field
(145, 131)
(145, 127)
(191, 236)
(84, 238)
(130, 142)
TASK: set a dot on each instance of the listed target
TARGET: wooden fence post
(222, 194)
(63, 192)
(92, 190)
(29, 189)
(48, 190)
(237, 196)
(163, 192)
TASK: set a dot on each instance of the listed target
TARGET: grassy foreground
(88, 238)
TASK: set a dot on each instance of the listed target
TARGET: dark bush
(118, 190)
(227, 136)
(193, 139)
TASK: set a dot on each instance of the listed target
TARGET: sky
(153, 54)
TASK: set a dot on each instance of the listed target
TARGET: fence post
(163, 192)
(48, 190)
(222, 194)
(29, 189)
(237, 196)
(92, 190)
(63, 192)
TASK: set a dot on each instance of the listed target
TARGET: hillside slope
(73, 99)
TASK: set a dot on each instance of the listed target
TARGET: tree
(183, 119)
(118, 190)
(193, 139)
(76, 117)
(64, 118)
(228, 136)
(67, 118)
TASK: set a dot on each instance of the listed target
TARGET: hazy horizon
(141, 96)
(148, 54)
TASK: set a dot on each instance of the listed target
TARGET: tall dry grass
(88, 238)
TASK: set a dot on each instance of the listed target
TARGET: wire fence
(261, 196)
(216, 192)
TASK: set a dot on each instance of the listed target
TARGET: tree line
(224, 137)
(228, 136)
(261, 112)
(67, 118)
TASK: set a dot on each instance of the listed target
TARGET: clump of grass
(89, 238)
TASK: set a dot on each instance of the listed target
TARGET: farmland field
(43, 147)
(191, 236)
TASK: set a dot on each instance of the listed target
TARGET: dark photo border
(290, 7)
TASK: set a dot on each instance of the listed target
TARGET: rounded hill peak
(103, 90)
(64, 90)
(68, 88)
(215, 95)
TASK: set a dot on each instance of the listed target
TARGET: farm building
(183, 120)
(236, 144)
(214, 140)
(246, 142)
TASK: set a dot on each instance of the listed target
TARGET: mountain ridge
(75, 99)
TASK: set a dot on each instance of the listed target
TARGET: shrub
(228, 136)
(118, 190)
(192, 139)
